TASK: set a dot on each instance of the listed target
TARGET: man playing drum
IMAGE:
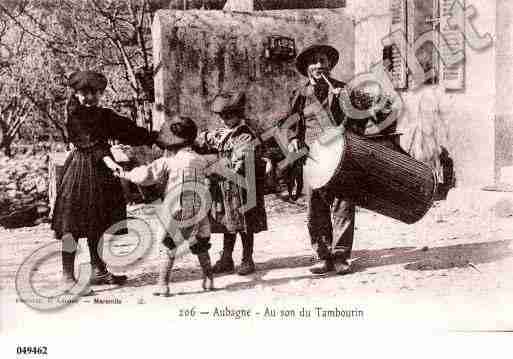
(314, 107)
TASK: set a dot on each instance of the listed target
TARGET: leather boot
(225, 263)
(68, 253)
(343, 267)
(208, 274)
(247, 265)
(327, 266)
(68, 256)
(100, 274)
(68, 268)
(162, 287)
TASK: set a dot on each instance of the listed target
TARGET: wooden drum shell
(374, 176)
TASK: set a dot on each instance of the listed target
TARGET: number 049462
(32, 350)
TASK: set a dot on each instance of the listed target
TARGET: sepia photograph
(292, 171)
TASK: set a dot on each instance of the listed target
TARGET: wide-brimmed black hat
(304, 58)
(87, 79)
(228, 101)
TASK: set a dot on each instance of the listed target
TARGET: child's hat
(227, 101)
(178, 130)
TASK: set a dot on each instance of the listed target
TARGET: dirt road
(451, 270)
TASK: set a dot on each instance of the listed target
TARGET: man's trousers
(330, 220)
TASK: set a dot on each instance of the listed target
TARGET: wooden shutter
(422, 21)
(399, 51)
(388, 53)
(452, 76)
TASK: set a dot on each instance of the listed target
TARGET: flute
(332, 88)
(344, 94)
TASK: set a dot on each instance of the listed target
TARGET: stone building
(197, 53)
(463, 107)
(255, 5)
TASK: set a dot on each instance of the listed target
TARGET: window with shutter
(453, 75)
(399, 48)
(423, 20)
(426, 20)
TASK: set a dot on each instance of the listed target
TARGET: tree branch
(50, 43)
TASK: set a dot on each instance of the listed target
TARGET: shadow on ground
(424, 259)
(436, 258)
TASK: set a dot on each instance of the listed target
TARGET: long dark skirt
(89, 198)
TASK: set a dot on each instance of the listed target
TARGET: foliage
(43, 41)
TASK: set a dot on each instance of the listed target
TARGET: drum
(373, 175)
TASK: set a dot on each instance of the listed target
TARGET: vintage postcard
(185, 166)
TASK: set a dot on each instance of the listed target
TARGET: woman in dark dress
(233, 143)
(89, 197)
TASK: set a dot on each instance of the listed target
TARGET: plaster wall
(198, 53)
(463, 121)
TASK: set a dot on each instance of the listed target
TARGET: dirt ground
(452, 270)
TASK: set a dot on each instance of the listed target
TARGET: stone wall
(23, 188)
(462, 121)
(504, 74)
(255, 5)
(198, 53)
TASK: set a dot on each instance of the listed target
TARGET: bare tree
(12, 115)
(15, 108)
(111, 36)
